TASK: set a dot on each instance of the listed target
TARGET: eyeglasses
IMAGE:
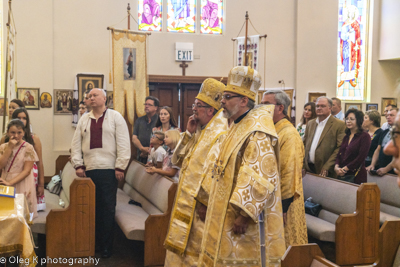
(198, 106)
(148, 105)
(349, 119)
(393, 134)
(227, 97)
(155, 136)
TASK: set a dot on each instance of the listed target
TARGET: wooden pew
(357, 234)
(70, 231)
(149, 223)
(389, 242)
(390, 192)
(349, 217)
(308, 255)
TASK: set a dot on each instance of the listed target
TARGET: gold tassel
(110, 78)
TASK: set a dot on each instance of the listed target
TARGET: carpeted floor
(125, 253)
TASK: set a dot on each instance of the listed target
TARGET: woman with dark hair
(308, 114)
(14, 104)
(372, 123)
(165, 122)
(38, 169)
(350, 161)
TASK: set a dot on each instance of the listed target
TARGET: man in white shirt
(322, 140)
(100, 150)
(337, 108)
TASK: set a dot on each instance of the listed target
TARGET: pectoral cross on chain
(183, 66)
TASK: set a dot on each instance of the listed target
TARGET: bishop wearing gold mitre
(187, 218)
(243, 224)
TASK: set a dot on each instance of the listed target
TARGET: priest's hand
(192, 125)
(202, 211)
(240, 224)
(80, 173)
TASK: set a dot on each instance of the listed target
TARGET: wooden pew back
(309, 255)
(357, 234)
(390, 192)
(389, 242)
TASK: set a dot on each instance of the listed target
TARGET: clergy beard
(228, 114)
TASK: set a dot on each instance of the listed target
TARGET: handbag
(312, 208)
(347, 178)
(55, 184)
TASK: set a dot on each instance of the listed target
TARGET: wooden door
(188, 95)
(168, 94)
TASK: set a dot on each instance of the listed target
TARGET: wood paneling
(189, 93)
(182, 79)
(168, 94)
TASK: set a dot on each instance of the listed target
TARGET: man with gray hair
(323, 137)
(291, 164)
(100, 150)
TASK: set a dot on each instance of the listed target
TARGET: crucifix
(183, 66)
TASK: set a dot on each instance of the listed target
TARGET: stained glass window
(181, 16)
(352, 49)
(212, 16)
(150, 15)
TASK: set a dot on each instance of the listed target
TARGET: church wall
(58, 39)
(35, 66)
(389, 29)
(316, 54)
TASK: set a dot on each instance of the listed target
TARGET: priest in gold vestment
(244, 224)
(291, 164)
(187, 218)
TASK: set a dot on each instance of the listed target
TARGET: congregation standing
(231, 181)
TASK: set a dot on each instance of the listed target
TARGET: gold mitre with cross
(244, 81)
(211, 92)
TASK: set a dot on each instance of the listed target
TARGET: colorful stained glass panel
(150, 15)
(181, 16)
(212, 12)
(351, 56)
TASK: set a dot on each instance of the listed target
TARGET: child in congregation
(168, 169)
(16, 161)
(157, 152)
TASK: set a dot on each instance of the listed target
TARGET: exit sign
(184, 51)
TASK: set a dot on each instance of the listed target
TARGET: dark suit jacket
(328, 145)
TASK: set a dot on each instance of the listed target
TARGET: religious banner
(352, 49)
(253, 47)
(181, 16)
(11, 77)
(129, 72)
(212, 13)
(150, 15)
